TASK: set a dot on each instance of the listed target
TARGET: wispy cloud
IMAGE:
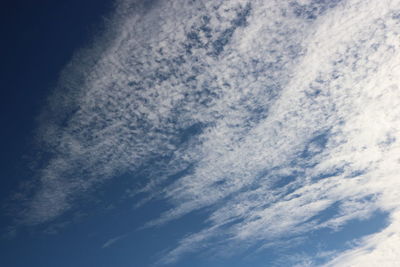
(344, 86)
(280, 109)
(111, 241)
(377, 249)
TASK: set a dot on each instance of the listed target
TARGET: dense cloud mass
(268, 113)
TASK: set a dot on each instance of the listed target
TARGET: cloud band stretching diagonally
(249, 93)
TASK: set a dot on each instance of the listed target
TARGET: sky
(200, 133)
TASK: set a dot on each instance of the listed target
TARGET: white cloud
(261, 82)
(113, 240)
(378, 249)
(353, 64)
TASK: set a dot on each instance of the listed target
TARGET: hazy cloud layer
(281, 109)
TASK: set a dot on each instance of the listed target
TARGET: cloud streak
(281, 110)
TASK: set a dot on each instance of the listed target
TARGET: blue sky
(201, 133)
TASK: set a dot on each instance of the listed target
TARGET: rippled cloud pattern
(279, 120)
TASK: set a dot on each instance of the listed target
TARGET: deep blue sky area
(38, 40)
